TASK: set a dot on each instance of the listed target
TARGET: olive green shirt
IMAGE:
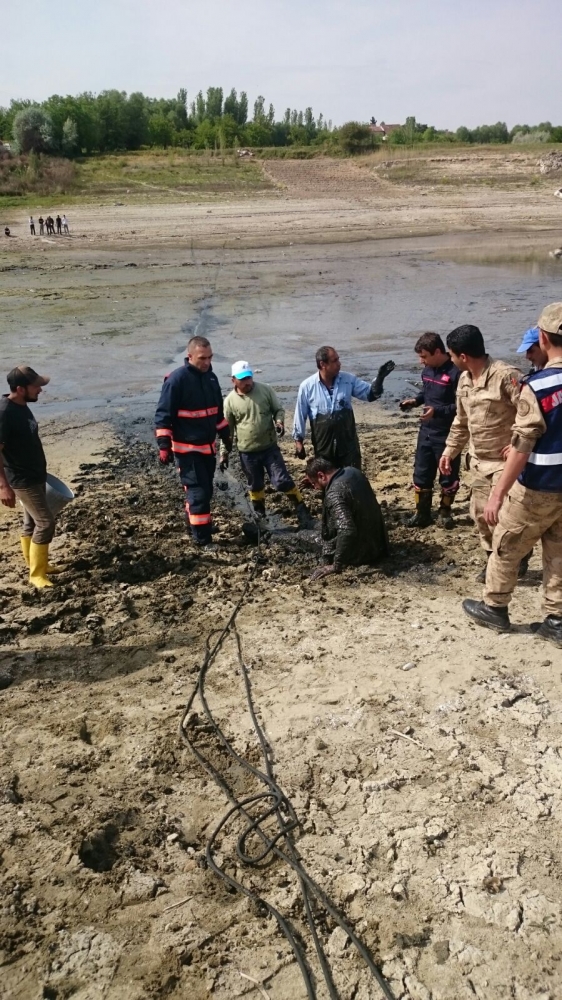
(252, 418)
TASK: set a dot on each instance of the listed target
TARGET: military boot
(444, 516)
(551, 629)
(485, 614)
(422, 517)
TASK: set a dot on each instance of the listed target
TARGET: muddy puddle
(107, 328)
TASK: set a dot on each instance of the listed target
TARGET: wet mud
(428, 796)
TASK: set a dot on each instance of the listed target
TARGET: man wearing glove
(438, 397)
(188, 418)
(325, 400)
(256, 418)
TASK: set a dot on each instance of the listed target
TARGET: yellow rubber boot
(38, 565)
(25, 546)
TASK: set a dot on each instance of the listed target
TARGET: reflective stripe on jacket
(543, 471)
(190, 411)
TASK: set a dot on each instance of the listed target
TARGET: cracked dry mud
(430, 799)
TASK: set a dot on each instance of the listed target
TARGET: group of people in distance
(510, 424)
(48, 224)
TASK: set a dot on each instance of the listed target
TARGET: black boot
(484, 614)
(303, 516)
(444, 516)
(551, 629)
(481, 576)
(259, 507)
(422, 517)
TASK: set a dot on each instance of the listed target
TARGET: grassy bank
(152, 175)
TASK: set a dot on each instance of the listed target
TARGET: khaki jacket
(486, 411)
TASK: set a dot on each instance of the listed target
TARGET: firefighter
(438, 397)
(188, 418)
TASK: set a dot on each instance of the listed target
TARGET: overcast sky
(448, 62)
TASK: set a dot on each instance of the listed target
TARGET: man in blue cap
(532, 350)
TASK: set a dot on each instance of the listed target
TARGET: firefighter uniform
(188, 418)
(533, 507)
(439, 391)
(486, 410)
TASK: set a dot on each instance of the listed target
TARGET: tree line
(114, 121)
(413, 131)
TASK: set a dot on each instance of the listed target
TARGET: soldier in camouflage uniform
(487, 398)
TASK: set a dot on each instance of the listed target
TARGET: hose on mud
(254, 810)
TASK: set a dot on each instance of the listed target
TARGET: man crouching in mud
(353, 528)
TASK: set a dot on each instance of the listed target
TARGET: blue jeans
(256, 463)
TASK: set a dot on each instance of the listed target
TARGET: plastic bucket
(58, 494)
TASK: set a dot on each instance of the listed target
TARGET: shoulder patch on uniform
(524, 408)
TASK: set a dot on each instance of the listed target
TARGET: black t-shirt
(22, 451)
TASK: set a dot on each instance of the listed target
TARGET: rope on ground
(254, 810)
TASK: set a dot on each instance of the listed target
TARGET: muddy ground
(429, 797)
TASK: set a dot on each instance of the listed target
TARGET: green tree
(69, 142)
(213, 105)
(463, 134)
(356, 138)
(243, 108)
(259, 109)
(231, 105)
(161, 131)
(205, 135)
(33, 131)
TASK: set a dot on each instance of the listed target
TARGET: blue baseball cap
(530, 338)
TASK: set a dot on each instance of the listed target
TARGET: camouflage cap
(550, 319)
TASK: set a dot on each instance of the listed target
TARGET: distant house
(382, 128)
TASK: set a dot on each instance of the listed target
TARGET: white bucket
(58, 494)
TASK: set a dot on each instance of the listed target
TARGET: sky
(447, 62)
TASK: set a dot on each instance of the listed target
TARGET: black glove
(165, 456)
(378, 382)
(300, 450)
(223, 464)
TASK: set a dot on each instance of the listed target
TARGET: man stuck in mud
(325, 400)
(23, 471)
(353, 528)
(256, 419)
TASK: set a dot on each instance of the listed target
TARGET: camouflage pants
(526, 517)
(481, 488)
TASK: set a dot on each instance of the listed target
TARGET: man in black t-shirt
(23, 470)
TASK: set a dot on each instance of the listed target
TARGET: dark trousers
(197, 474)
(426, 464)
(38, 518)
(256, 463)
